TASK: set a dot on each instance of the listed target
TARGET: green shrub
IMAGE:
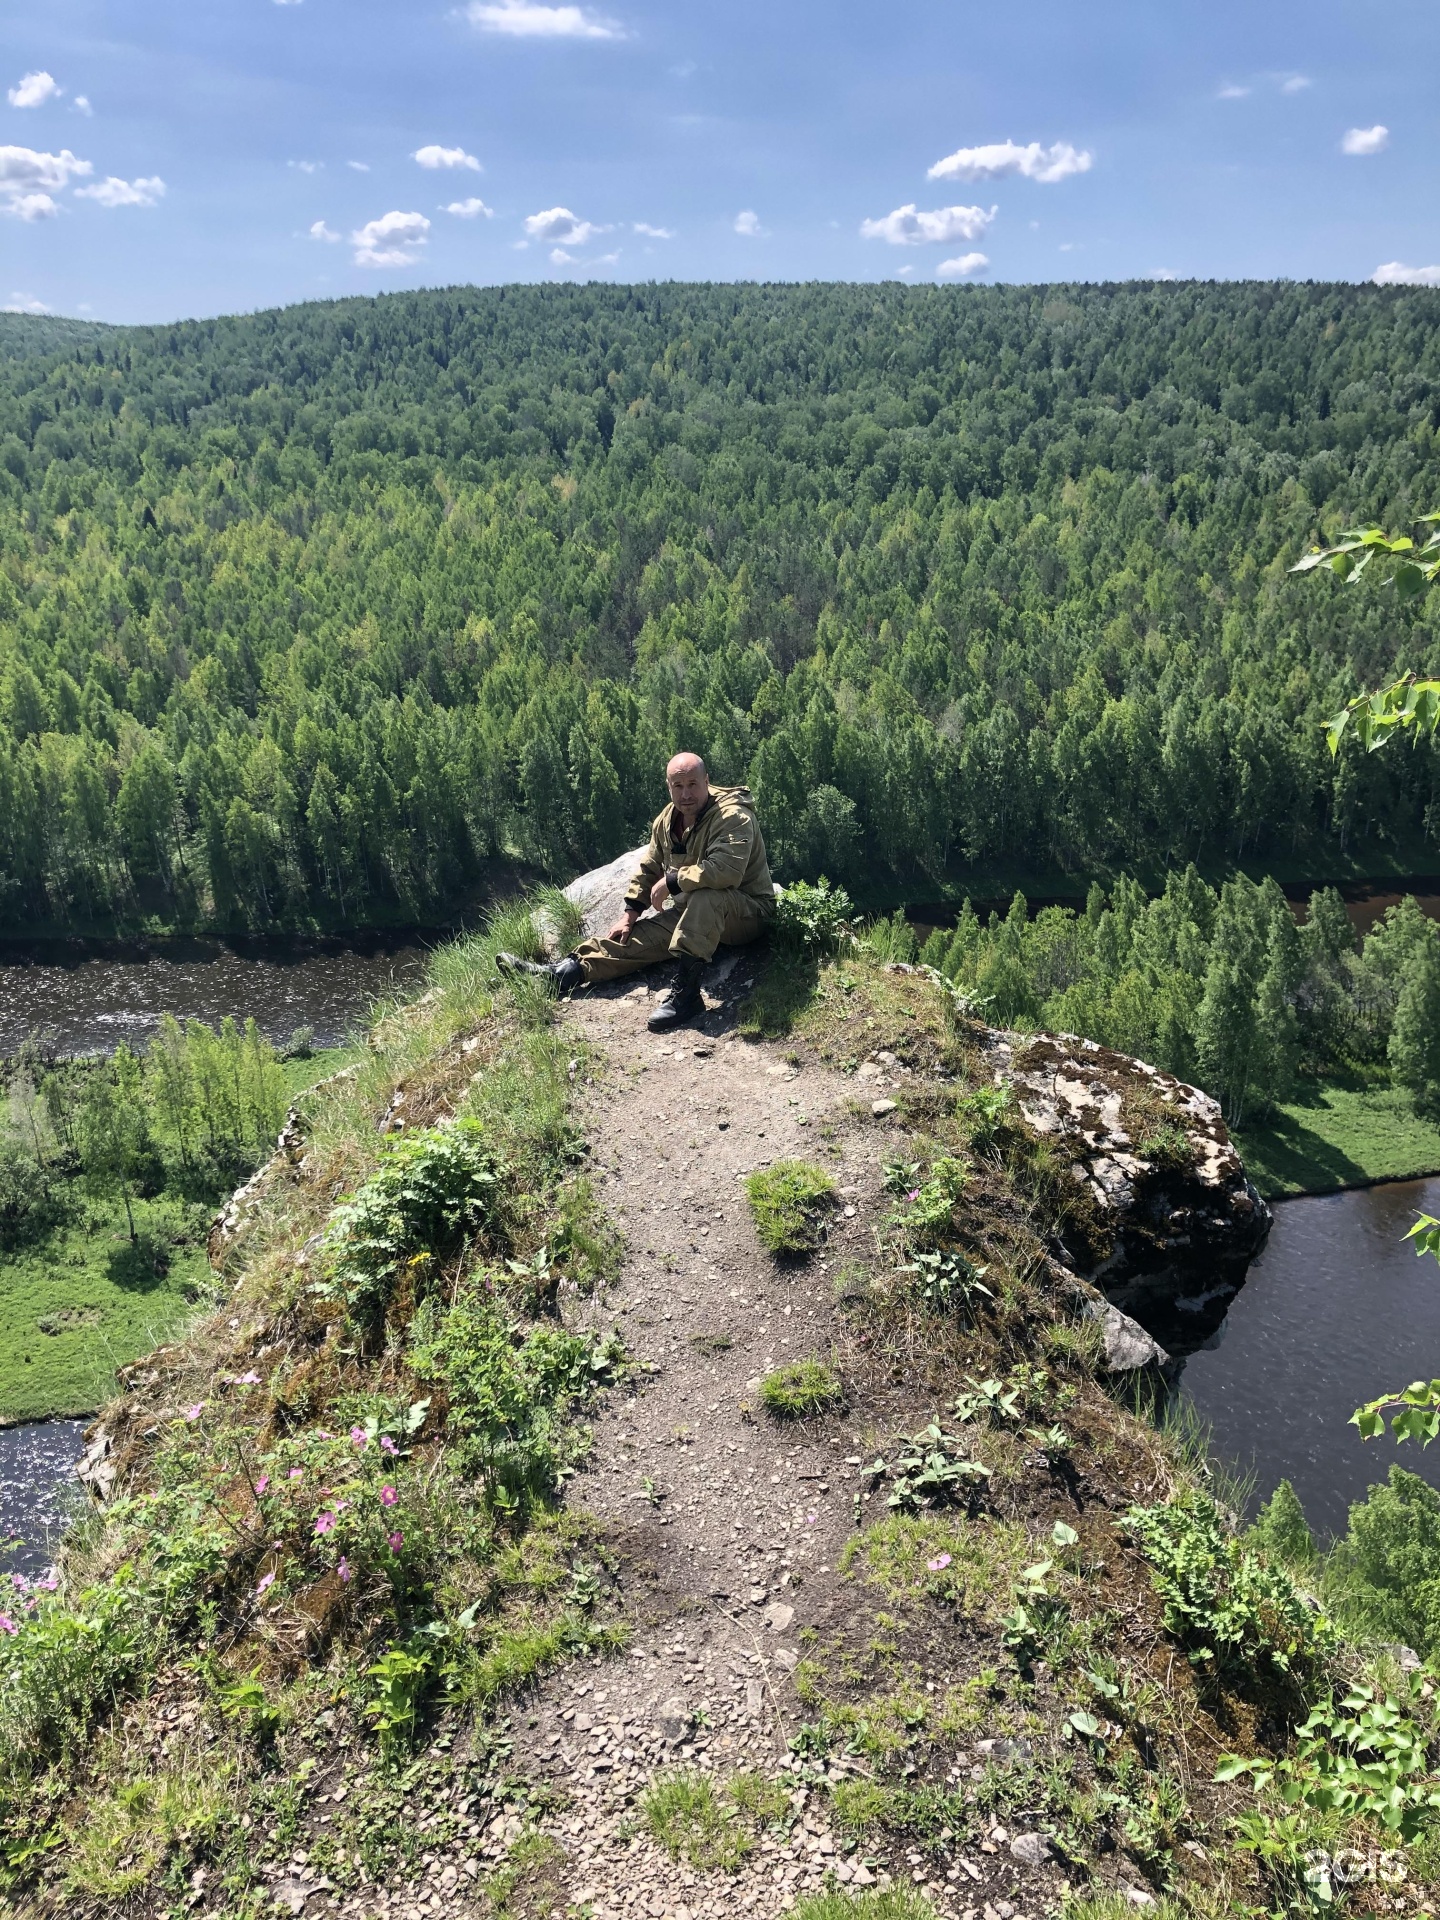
(787, 1202)
(430, 1190)
(688, 1818)
(505, 1392)
(1281, 1531)
(1383, 1577)
(813, 919)
(927, 1207)
(1221, 1602)
(802, 1387)
(61, 1667)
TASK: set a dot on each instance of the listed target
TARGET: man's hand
(622, 929)
(660, 894)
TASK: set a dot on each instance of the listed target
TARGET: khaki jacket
(724, 848)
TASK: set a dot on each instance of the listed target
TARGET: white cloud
(906, 227)
(391, 241)
(903, 273)
(1396, 274)
(34, 90)
(1362, 140)
(1232, 92)
(358, 166)
(469, 209)
(527, 20)
(29, 180)
(748, 224)
(1045, 164)
(559, 257)
(654, 233)
(434, 157)
(82, 105)
(25, 303)
(319, 231)
(305, 166)
(1163, 273)
(560, 228)
(962, 266)
(112, 192)
(1294, 83)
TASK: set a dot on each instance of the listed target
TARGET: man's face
(689, 785)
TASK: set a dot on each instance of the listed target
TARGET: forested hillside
(312, 614)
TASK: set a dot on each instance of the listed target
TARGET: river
(1337, 1309)
(91, 998)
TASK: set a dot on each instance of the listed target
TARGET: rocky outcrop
(1170, 1220)
(289, 1151)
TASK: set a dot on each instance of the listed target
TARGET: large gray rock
(600, 894)
(1169, 1221)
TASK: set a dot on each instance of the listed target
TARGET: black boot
(682, 1001)
(561, 976)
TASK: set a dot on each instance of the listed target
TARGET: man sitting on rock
(707, 878)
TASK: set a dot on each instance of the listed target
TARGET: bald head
(689, 783)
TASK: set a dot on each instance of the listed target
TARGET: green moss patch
(788, 1203)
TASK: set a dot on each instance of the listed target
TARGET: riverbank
(1340, 1134)
(83, 1300)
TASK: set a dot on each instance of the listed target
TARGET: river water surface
(90, 1002)
(1336, 1310)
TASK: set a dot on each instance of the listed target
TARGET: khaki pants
(695, 923)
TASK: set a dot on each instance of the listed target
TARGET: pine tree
(1414, 1049)
(1225, 1035)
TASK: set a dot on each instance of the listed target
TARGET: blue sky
(185, 157)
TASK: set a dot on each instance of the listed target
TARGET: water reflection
(92, 1002)
(1337, 1308)
(36, 1490)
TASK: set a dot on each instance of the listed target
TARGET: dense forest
(317, 614)
(1220, 987)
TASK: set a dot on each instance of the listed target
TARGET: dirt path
(731, 1524)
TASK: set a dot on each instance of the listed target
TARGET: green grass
(889, 1903)
(803, 1387)
(786, 1203)
(1343, 1134)
(690, 1820)
(83, 1301)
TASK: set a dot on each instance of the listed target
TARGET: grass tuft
(787, 1204)
(888, 1903)
(804, 1387)
(690, 1820)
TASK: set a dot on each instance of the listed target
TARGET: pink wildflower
(359, 1437)
(249, 1379)
(397, 1540)
(388, 1496)
(7, 1625)
(344, 1568)
(262, 1483)
(194, 1413)
(320, 1434)
(913, 1194)
(267, 1580)
(19, 1582)
(324, 1522)
(297, 1473)
(387, 1445)
(49, 1583)
(939, 1563)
